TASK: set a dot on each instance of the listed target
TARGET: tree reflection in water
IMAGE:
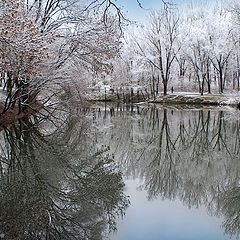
(57, 186)
(230, 208)
(191, 155)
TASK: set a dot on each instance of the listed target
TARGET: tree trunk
(220, 80)
(164, 88)
(238, 80)
(202, 87)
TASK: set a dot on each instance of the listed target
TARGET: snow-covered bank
(194, 98)
(189, 98)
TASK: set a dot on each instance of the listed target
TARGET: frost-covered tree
(194, 49)
(42, 40)
(221, 44)
(23, 49)
(197, 50)
(159, 47)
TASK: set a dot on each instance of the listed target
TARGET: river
(122, 173)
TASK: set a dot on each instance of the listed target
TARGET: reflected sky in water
(165, 220)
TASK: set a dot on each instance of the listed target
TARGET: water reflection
(191, 155)
(57, 185)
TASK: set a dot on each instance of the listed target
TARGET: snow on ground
(196, 98)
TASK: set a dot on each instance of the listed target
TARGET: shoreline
(180, 98)
(196, 99)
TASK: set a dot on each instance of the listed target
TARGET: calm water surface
(181, 169)
(141, 173)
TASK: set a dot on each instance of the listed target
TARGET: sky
(134, 12)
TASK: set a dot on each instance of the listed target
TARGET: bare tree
(40, 38)
(161, 42)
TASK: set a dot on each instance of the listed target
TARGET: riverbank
(185, 99)
(175, 98)
(197, 99)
